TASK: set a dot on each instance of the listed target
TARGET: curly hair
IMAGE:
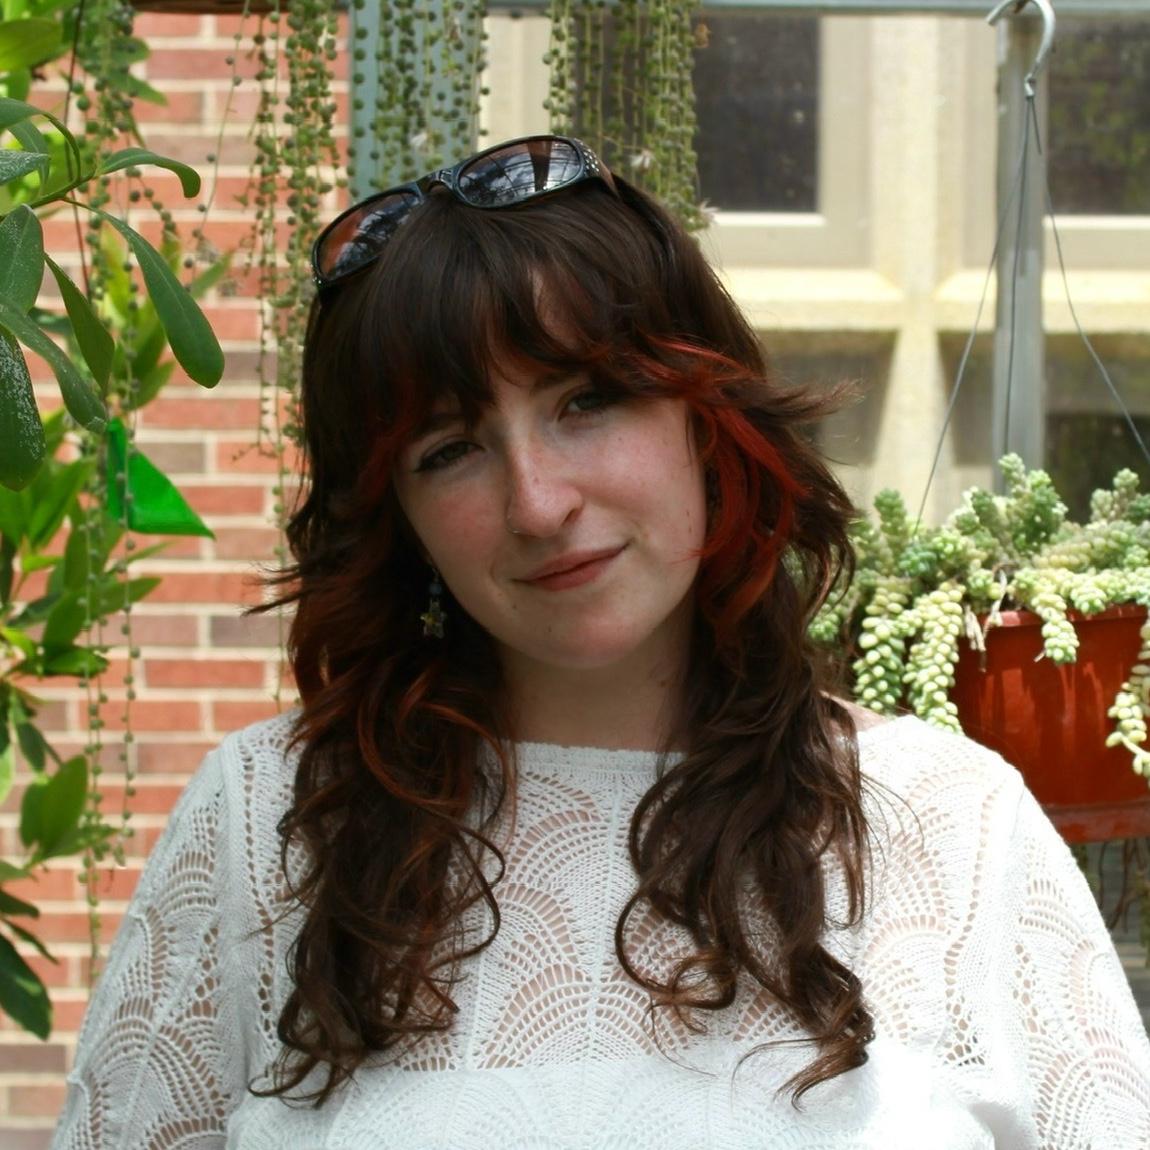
(393, 726)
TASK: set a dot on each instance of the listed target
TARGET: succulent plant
(919, 591)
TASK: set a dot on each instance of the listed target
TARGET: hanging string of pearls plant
(621, 80)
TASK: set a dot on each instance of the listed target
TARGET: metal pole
(1019, 390)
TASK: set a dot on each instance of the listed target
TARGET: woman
(568, 845)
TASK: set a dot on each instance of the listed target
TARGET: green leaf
(7, 567)
(83, 404)
(10, 904)
(65, 621)
(12, 517)
(7, 770)
(30, 810)
(22, 995)
(27, 43)
(21, 256)
(53, 497)
(13, 111)
(9, 872)
(22, 447)
(20, 641)
(31, 940)
(33, 746)
(95, 342)
(62, 803)
(138, 157)
(15, 164)
(74, 661)
(155, 506)
(192, 340)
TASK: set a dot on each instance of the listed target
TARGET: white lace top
(1003, 1016)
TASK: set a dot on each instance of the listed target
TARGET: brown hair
(392, 724)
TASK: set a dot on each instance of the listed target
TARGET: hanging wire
(1017, 186)
(1018, 191)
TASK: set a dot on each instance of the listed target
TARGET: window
(757, 90)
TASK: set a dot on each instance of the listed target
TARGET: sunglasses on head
(497, 177)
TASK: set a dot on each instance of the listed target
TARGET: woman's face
(567, 523)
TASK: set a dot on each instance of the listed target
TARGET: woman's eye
(593, 399)
(444, 456)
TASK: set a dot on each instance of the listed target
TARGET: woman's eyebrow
(438, 420)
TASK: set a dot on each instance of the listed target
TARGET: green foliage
(917, 590)
(83, 376)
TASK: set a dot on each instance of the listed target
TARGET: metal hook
(1047, 45)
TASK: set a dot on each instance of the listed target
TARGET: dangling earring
(435, 616)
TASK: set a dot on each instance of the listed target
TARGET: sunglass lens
(518, 172)
(357, 238)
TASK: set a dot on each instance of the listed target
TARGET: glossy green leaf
(66, 620)
(7, 770)
(12, 510)
(9, 872)
(95, 342)
(83, 404)
(14, 165)
(154, 506)
(138, 157)
(7, 568)
(33, 745)
(192, 340)
(62, 802)
(13, 111)
(10, 904)
(30, 939)
(22, 447)
(20, 640)
(53, 497)
(22, 995)
(27, 43)
(30, 810)
(78, 661)
(21, 256)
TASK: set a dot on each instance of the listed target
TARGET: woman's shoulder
(908, 756)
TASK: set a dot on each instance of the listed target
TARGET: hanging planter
(1052, 721)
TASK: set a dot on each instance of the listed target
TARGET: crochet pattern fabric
(1003, 1017)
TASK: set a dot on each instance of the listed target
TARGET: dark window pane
(1099, 155)
(1087, 437)
(757, 84)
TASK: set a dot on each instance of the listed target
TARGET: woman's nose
(542, 496)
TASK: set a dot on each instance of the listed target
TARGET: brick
(214, 673)
(39, 1100)
(234, 499)
(33, 1058)
(174, 457)
(14, 1137)
(206, 587)
(170, 758)
(73, 926)
(247, 543)
(154, 715)
(181, 108)
(231, 716)
(245, 631)
(54, 884)
(164, 630)
(151, 797)
(207, 411)
(245, 458)
(155, 27)
(118, 883)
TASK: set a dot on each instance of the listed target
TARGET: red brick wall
(203, 668)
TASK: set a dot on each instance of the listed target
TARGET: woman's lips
(572, 570)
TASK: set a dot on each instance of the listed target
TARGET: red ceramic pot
(1051, 721)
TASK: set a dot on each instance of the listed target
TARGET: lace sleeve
(1087, 1053)
(160, 1057)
